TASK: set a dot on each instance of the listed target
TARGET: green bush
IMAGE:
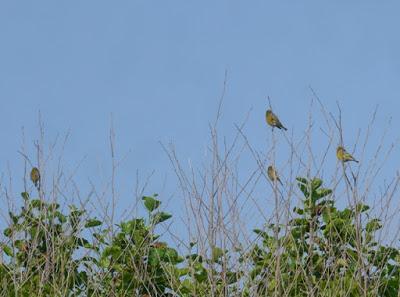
(321, 251)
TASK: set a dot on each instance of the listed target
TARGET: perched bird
(273, 175)
(35, 177)
(343, 155)
(273, 120)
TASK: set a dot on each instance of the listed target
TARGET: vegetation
(320, 252)
(312, 248)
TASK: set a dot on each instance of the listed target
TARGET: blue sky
(157, 68)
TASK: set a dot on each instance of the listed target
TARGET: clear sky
(157, 68)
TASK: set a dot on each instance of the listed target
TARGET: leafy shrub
(321, 251)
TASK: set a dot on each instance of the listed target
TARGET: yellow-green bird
(35, 177)
(273, 120)
(343, 155)
(273, 175)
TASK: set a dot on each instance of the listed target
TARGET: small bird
(273, 175)
(273, 120)
(343, 155)
(35, 177)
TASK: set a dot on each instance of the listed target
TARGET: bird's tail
(37, 185)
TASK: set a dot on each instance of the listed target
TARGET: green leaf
(7, 232)
(171, 256)
(298, 232)
(303, 186)
(132, 225)
(299, 222)
(36, 203)
(25, 195)
(13, 217)
(298, 210)
(232, 277)
(346, 214)
(256, 271)
(104, 262)
(160, 217)
(155, 257)
(320, 193)
(373, 225)
(327, 203)
(62, 218)
(341, 262)
(183, 271)
(302, 180)
(195, 258)
(316, 183)
(262, 233)
(82, 241)
(150, 203)
(138, 237)
(186, 287)
(76, 213)
(112, 251)
(93, 223)
(216, 254)
(54, 206)
(99, 237)
(201, 273)
(361, 207)
(7, 250)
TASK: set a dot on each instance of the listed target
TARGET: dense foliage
(320, 251)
